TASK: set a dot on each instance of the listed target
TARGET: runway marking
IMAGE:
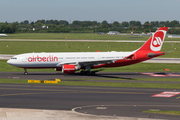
(71, 92)
(166, 94)
(77, 91)
(178, 97)
(117, 105)
(101, 108)
(33, 89)
(15, 77)
(33, 93)
(161, 74)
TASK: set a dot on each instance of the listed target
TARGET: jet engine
(69, 68)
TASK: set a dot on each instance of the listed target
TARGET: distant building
(44, 26)
(113, 33)
(173, 27)
(38, 28)
(101, 33)
(173, 36)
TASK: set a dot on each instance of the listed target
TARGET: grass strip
(18, 47)
(71, 36)
(115, 84)
(163, 112)
(101, 84)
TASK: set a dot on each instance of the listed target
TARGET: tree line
(8, 28)
(63, 26)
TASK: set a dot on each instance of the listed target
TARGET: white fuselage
(52, 60)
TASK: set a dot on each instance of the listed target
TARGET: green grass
(78, 36)
(163, 112)
(16, 47)
(72, 36)
(12, 47)
(115, 84)
(14, 81)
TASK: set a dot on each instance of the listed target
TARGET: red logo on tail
(157, 41)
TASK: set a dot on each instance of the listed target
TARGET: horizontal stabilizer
(150, 55)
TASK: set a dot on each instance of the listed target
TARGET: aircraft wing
(92, 63)
(88, 63)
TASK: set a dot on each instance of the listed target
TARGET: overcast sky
(93, 10)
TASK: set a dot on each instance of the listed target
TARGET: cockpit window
(14, 58)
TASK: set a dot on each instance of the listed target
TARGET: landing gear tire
(82, 72)
(88, 73)
(93, 73)
(25, 73)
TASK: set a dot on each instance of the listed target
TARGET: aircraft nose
(9, 61)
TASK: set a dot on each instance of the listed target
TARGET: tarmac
(35, 114)
(56, 102)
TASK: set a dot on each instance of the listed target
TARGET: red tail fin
(155, 42)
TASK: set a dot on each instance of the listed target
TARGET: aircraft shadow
(125, 76)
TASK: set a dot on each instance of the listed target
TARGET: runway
(77, 102)
(107, 101)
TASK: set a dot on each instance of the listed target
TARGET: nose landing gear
(25, 71)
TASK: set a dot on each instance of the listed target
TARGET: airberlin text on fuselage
(42, 59)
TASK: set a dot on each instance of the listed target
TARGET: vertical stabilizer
(155, 42)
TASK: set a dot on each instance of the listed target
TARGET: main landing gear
(88, 72)
(25, 71)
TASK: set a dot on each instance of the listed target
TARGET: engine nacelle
(68, 69)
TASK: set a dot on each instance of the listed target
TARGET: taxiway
(77, 102)
(96, 101)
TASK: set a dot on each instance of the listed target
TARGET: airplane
(69, 62)
(3, 35)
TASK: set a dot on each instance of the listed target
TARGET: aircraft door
(24, 59)
(99, 57)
